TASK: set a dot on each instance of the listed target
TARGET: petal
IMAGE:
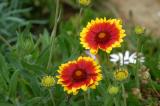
(126, 56)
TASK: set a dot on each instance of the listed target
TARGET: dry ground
(144, 12)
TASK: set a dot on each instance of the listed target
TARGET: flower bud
(113, 90)
(139, 30)
(85, 2)
(47, 81)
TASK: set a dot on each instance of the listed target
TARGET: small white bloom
(126, 58)
(114, 57)
(90, 55)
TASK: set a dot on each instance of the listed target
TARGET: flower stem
(108, 60)
(151, 82)
(89, 95)
(115, 102)
(52, 98)
(137, 64)
(5, 41)
(53, 34)
(80, 14)
(124, 95)
(79, 21)
(85, 99)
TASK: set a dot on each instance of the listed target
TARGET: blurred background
(17, 14)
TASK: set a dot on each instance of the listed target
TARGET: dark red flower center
(79, 75)
(102, 37)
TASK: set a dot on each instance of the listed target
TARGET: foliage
(12, 17)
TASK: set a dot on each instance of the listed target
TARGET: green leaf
(15, 19)
(33, 101)
(35, 86)
(3, 83)
(45, 39)
(33, 68)
(13, 84)
(43, 57)
(3, 68)
(17, 11)
(5, 104)
(108, 100)
(154, 85)
(133, 101)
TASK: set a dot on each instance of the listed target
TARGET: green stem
(115, 102)
(80, 14)
(89, 95)
(52, 98)
(85, 99)
(108, 59)
(53, 34)
(79, 21)
(137, 64)
(124, 95)
(123, 50)
(5, 41)
(151, 82)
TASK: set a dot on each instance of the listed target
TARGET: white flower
(90, 55)
(126, 58)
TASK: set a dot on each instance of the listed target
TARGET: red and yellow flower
(102, 34)
(82, 74)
